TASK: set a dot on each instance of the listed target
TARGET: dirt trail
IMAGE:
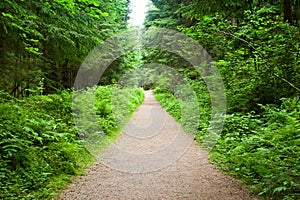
(155, 159)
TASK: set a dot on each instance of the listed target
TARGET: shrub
(39, 144)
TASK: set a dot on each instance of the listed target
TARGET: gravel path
(154, 159)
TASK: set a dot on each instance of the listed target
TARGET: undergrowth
(262, 149)
(40, 148)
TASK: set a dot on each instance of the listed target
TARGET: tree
(48, 40)
(248, 40)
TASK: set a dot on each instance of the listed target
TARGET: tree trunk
(59, 75)
(297, 8)
(287, 8)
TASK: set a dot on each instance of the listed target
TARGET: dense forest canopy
(44, 42)
(253, 42)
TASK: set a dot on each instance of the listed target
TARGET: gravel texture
(154, 159)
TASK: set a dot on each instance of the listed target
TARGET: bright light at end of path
(138, 12)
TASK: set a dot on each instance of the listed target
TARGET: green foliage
(263, 150)
(168, 102)
(120, 66)
(110, 107)
(257, 59)
(255, 46)
(172, 105)
(162, 14)
(39, 144)
(49, 39)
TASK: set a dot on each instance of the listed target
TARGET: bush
(38, 144)
(263, 150)
(40, 147)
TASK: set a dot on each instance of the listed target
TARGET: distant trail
(154, 159)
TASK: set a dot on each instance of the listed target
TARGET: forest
(254, 44)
